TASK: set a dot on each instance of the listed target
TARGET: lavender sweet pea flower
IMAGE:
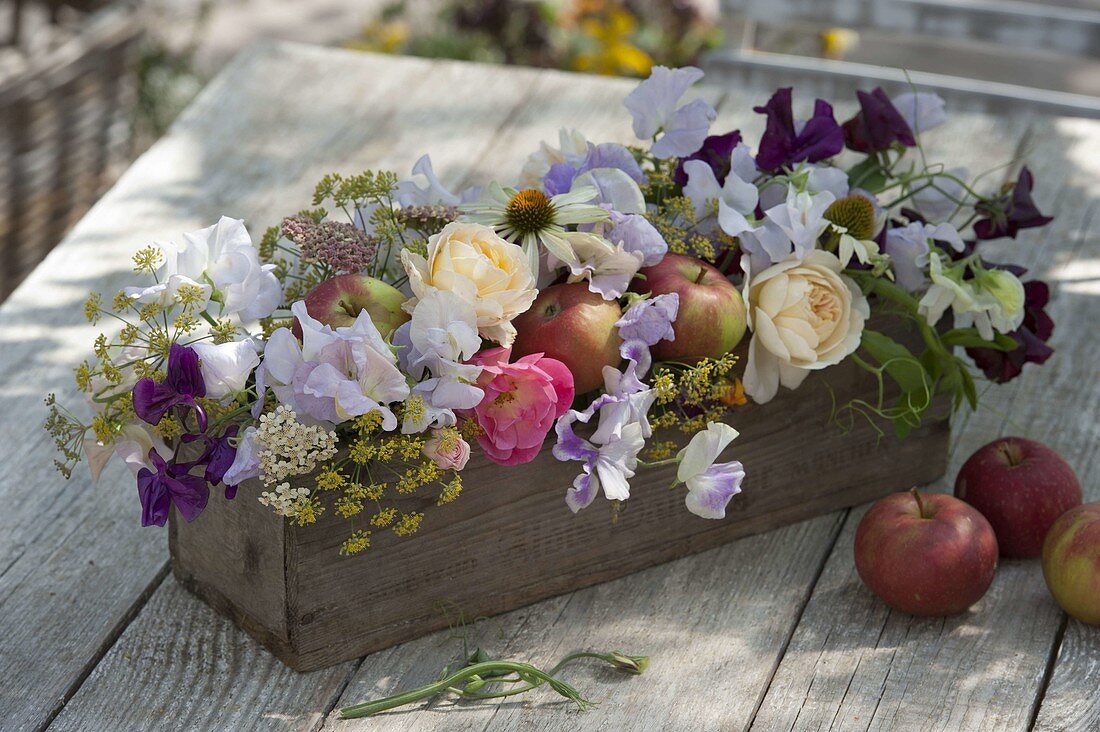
(432, 193)
(878, 124)
(715, 152)
(1006, 215)
(246, 461)
(637, 234)
(559, 179)
(650, 321)
(609, 466)
(710, 486)
(922, 111)
(908, 248)
(612, 155)
(653, 104)
(784, 144)
(167, 484)
(182, 385)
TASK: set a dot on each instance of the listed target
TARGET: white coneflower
(530, 217)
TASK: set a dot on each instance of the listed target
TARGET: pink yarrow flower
(522, 401)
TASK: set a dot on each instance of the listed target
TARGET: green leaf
(867, 174)
(897, 360)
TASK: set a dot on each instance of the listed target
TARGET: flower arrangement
(592, 310)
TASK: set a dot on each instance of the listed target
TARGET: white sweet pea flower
(938, 198)
(608, 268)
(791, 228)
(909, 246)
(861, 249)
(572, 149)
(226, 366)
(992, 300)
(810, 177)
(614, 188)
(425, 189)
(246, 461)
(738, 192)
(710, 486)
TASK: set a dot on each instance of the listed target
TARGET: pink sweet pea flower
(522, 401)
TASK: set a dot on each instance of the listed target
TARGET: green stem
(526, 672)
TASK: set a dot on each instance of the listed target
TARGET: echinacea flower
(785, 142)
(655, 106)
(522, 401)
(710, 485)
(182, 385)
(166, 484)
(530, 218)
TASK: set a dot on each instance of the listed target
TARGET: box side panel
(233, 556)
(509, 540)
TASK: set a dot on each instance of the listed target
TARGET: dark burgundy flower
(182, 385)
(1013, 210)
(878, 124)
(1031, 339)
(169, 484)
(715, 152)
(783, 144)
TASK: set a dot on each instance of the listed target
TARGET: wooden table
(774, 631)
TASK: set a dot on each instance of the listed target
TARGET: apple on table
(711, 319)
(338, 301)
(1071, 562)
(574, 325)
(925, 554)
(1021, 486)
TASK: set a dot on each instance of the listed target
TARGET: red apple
(1022, 487)
(575, 326)
(711, 319)
(1071, 562)
(926, 553)
(339, 300)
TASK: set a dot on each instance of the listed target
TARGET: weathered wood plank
(178, 666)
(852, 663)
(715, 625)
(74, 563)
(1071, 701)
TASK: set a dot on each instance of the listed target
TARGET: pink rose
(447, 453)
(522, 401)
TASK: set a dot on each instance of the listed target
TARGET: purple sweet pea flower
(1009, 213)
(218, 458)
(559, 179)
(182, 386)
(783, 143)
(878, 124)
(167, 484)
(715, 152)
(1031, 339)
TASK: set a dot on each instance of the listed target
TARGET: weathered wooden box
(510, 540)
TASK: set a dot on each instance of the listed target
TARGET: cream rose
(804, 315)
(483, 269)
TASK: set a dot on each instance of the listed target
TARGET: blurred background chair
(66, 92)
(994, 55)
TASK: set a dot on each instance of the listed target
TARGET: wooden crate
(509, 540)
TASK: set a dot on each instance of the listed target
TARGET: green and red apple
(1071, 562)
(925, 553)
(1021, 487)
(711, 317)
(339, 300)
(574, 325)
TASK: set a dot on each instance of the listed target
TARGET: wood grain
(852, 663)
(714, 624)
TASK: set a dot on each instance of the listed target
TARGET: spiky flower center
(855, 213)
(529, 212)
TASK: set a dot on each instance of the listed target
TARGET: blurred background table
(772, 632)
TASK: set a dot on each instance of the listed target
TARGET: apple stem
(920, 503)
(702, 273)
